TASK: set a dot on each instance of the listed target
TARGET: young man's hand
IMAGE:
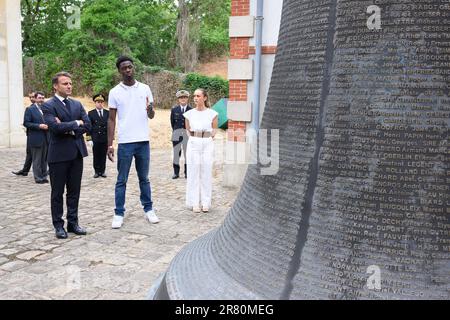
(111, 153)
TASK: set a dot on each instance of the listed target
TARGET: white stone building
(11, 79)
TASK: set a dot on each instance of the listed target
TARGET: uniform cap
(182, 93)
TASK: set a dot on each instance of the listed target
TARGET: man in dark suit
(28, 159)
(99, 134)
(67, 121)
(37, 137)
(179, 134)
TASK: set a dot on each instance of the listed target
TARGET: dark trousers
(65, 174)
(39, 155)
(179, 146)
(99, 149)
(28, 161)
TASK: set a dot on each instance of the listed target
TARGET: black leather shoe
(96, 175)
(61, 233)
(20, 173)
(103, 175)
(77, 230)
(45, 181)
(175, 176)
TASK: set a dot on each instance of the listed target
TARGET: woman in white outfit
(201, 125)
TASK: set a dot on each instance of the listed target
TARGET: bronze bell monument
(360, 205)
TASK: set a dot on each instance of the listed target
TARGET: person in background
(28, 159)
(179, 135)
(37, 138)
(201, 125)
(99, 135)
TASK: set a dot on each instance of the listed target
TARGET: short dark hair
(39, 93)
(60, 74)
(123, 59)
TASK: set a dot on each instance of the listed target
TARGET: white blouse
(201, 120)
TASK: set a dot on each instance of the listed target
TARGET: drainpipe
(258, 54)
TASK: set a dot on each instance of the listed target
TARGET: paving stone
(8, 252)
(29, 255)
(106, 263)
(45, 257)
(49, 247)
(14, 266)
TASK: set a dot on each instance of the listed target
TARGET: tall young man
(130, 101)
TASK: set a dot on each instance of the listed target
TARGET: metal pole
(258, 55)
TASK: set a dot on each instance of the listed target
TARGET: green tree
(146, 30)
(44, 23)
(214, 17)
(202, 30)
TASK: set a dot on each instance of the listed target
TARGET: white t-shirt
(200, 120)
(131, 105)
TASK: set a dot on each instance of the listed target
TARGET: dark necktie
(67, 103)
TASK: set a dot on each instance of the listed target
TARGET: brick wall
(239, 49)
(240, 7)
(265, 50)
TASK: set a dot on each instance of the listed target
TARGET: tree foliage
(202, 30)
(44, 22)
(215, 85)
(146, 30)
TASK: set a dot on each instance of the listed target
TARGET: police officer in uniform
(179, 135)
(99, 133)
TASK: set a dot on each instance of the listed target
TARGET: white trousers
(199, 158)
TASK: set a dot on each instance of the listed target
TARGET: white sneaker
(152, 217)
(117, 222)
(196, 209)
(205, 209)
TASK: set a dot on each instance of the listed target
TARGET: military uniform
(179, 135)
(99, 134)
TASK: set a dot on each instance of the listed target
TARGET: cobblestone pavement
(106, 263)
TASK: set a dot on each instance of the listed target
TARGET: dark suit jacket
(66, 138)
(36, 137)
(177, 121)
(28, 130)
(99, 131)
